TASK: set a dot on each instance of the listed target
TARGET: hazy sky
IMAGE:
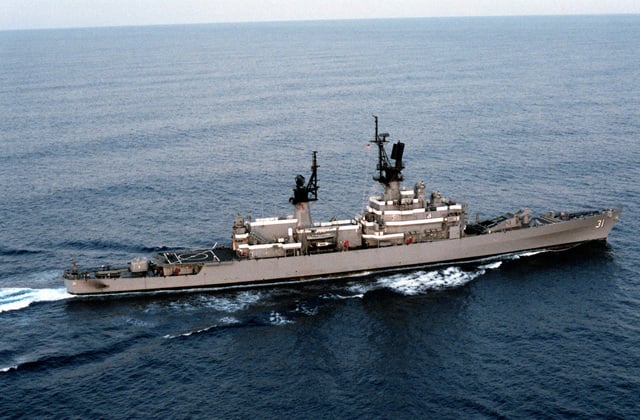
(26, 14)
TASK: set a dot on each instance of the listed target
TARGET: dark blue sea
(119, 142)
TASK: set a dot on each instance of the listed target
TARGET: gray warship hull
(400, 228)
(592, 226)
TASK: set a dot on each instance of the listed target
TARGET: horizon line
(267, 21)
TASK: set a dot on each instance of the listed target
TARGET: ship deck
(196, 256)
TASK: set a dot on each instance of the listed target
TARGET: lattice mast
(389, 175)
(303, 194)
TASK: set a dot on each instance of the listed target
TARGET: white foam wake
(15, 298)
(420, 282)
(276, 318)
(527, 254)
(190, 333)
(229, 303)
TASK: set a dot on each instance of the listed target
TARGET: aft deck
(198, 256)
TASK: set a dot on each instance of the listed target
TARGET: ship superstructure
(400, 228)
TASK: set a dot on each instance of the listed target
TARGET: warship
(402, 228)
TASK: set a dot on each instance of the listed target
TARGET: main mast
(389, 175)
(303, 194)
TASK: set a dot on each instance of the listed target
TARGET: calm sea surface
(118, 142)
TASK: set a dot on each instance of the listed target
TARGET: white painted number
(600, 223)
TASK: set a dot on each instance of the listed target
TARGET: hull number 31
(599, 223)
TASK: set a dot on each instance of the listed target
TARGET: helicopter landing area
(196, 256)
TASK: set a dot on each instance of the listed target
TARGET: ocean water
(117, 142)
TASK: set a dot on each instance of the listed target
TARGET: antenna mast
(302, 193)
(387, 172)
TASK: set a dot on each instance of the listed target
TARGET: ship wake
(422, 281)
(15, 298)
(283, 306)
